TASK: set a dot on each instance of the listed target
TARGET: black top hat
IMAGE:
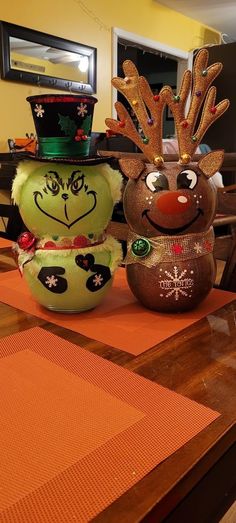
(63, 124)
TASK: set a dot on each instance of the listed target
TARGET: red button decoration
(26, 240)
(122, 123)
(156, 97)
(185, 124)
(213, 110)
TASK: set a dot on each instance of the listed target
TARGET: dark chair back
(10, 215)
(225, 246)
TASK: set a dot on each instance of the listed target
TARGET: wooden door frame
(183, 57)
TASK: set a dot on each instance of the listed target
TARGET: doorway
(159, 63)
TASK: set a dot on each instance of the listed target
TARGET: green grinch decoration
(66, 200)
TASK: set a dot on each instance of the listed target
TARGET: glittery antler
(148, 109)
(139, 95)
(189, 137)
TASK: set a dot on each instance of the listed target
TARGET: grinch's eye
(53, 186)
(187, 179)
(156, 181)
(77, 185)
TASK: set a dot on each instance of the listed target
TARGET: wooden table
(198, 482)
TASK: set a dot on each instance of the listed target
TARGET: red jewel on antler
(26, 240)
(185, 124)
(156, 97)
(122, 123)
(110, 133)
(213, 110)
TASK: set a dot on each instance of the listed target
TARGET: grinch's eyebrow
(55, 174)
(72, 177)
(51, 174)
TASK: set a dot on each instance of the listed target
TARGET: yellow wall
(90, 22)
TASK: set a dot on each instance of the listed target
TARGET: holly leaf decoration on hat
(67, 125)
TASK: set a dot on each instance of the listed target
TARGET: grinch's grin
(38, 194)
(177, 230)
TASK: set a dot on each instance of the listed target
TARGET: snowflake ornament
(82, 110)
(97, 280)
(39, 110)
(197, 247)
(51, 281)
(178, 284)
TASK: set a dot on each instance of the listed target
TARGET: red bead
(184, 124)
(49, 245)
(156, 97)
(80, 241)
(122, 123)
(78, 138)
(26, 240)
(80, 132)
(213, 110)
(84, 137)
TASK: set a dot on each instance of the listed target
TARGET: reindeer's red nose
(174, 202)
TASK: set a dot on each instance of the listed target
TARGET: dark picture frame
(8, 31)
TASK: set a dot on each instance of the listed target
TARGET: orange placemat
(77, 431)
(5, 243)
(120, 321)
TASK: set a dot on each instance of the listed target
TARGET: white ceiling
(218, 14)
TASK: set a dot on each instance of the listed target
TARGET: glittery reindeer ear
(211, 162)
(131, 167)
(148, 109)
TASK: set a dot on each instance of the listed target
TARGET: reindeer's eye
(156, 181)
(187, 179)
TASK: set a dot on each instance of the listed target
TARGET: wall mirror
(37, 58)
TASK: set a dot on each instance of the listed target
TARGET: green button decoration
(194, 138)
(176, 98)
(204, 72)
(145, 140)
(141, 247)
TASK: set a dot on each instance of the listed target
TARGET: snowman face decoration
(63, 198)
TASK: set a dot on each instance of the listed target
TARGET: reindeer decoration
(170, 207)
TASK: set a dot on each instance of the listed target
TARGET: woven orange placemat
(120, 321)
(77, 431)
(5, 243)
